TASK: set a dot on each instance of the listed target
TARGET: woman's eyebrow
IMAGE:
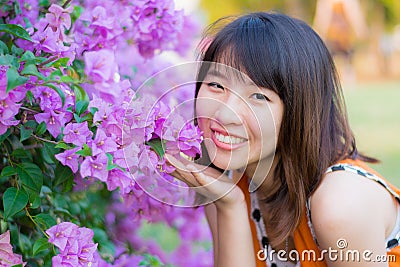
(247, 81)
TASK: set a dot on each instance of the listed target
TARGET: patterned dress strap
(360, 171)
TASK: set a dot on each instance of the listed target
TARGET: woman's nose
(230, 111)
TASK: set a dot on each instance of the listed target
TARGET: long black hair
(287, 56)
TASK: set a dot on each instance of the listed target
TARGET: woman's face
(240, 121)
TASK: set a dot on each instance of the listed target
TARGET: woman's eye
(215, 85)
(259, 96)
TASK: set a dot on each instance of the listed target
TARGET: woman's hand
(207, 181)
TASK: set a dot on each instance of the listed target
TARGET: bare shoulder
(343, 193)
(352, 206)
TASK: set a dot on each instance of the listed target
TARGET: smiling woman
(284, 172)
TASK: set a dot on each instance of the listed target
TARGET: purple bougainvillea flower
(48, 98)
(148, 161)
(98, 17)
(189, 140)
(100, 65)
(128, 157)
(118, 178)
(54, 120)
(102, 143)
(77, 133)
(75, 244)
(60, 234)
(59, 17)
(47, 39)
(7, 256)
(69, 158)
(95, 166)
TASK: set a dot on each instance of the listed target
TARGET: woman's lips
(227, 142)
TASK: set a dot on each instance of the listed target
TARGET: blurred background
(364, 38)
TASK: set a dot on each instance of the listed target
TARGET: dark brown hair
(284, 54)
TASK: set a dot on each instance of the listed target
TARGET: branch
(45, 140)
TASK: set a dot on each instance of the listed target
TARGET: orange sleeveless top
(303, 237)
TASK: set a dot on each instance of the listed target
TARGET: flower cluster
(7, 257)
(70, 119)
(75, 244)
(9, 102)
(153, 26)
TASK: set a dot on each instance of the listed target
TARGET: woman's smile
(226, 140)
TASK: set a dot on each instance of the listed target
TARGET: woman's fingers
(205, 181)
(181, 172)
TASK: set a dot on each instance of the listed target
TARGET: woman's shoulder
(343, 192)
(347, 202)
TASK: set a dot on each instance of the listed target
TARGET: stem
(44, 140)
(48, 61)
(31, 218)
(28, 109)
(33, 146)
(66, 3)
(8, 153)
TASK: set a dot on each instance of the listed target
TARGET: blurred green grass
(374, 113)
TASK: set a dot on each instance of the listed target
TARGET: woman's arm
(351, 216)
(235, 245)
(211, 215)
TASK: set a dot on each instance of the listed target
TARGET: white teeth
(228, 139)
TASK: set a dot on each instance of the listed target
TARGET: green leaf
(62, 174)
(81, 106)
(150, 260)
(49, 151)
(110, 164)
(31, 177)
(31, 69)
(63, 146)
(22, 154)
(41, 128)
(28, 55)
(58, 90)
(157, 146)
(29, 97)
(17, 265)
(5, 135)
(76, 13)
(44, 3)
(24, 243)
(85, 151)
(93, 110)
(66, 79)
(15, 30)
(45, 221)
(14, 201)
(3, 48)
(78, 119)
(56, 73)
(34, 202)
(9, 60)
(80, 93)
(31, 124)
(61, 62)
(8, 171)
(40, 245)
(16, 50)
(105, 245)
(14, 79)
(25, 133)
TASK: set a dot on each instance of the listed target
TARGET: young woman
(270, 106)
